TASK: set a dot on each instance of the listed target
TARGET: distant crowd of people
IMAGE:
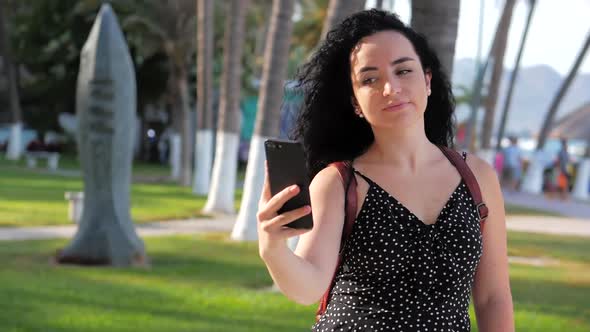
(557, 175)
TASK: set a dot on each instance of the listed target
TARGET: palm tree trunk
(14, 149)
(560, 94)
(510, 90)
(223, 182)
(498, 51)
(338, 10)
(532, 182)
(187, 137)
(438, 21)
(268, 114)
(175, 140)
(480, 69)
(204, 134)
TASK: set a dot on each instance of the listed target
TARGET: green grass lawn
(207, 283)
(36, 197)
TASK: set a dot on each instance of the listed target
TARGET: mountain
(535, 88)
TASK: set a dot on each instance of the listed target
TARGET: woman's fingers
(287, 217)
(278, 200)
(266, 195)
(269, 210)
(290, 232)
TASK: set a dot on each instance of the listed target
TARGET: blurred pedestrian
(512, 170)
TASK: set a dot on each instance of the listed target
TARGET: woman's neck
(407, 151)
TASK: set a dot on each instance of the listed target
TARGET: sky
(558, 29)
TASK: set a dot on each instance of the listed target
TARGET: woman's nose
(391, 88)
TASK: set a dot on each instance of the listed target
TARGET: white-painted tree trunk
(203, 156)
(15, 148)
(582, 180)
(292, 242)
(533, 178)
(487, 155)
(223, 179)
(175, 155)
(245, 227)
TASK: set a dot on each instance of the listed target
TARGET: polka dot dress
(400, 274)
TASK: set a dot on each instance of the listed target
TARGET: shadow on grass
(99, 299)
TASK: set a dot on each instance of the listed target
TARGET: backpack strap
(470, 180)
(350, 205)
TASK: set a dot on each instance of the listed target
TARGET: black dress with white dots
(400, 274)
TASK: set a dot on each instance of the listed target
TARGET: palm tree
(474, 101)
(510, 90)
(204, 134)
(497, 52)
(267, 117)
(438, 21)
(547, 123)
(532, 181)
(221, 195)
(14, 149)
(338, 10)
(170, 27)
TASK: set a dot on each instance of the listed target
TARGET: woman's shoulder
(485, 174)
(480, 167)
(328, 176)
(326, 186)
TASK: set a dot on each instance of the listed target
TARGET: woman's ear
(356, 107)
(427, 79)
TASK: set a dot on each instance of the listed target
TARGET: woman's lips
(395, 107)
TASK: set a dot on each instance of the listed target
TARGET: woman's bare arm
(491, 290)
(304, 275)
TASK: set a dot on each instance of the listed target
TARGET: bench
(52, 159)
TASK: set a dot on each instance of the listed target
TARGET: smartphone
(286, 167)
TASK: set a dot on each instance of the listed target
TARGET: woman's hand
(272, 232)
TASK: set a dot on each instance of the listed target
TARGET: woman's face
(389, 84)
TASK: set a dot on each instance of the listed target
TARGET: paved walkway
(570, 208)
(549, 225)
(161, 228)
(535, 224)
(576, 221)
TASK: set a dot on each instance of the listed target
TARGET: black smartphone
(286, 167)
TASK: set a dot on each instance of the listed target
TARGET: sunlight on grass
(209, 283)
(35, 197)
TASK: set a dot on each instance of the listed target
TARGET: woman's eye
(369, 81)
(404, 72)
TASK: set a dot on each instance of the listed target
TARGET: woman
(375, 94)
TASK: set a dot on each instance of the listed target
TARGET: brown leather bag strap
(470, 180)
(350, 205)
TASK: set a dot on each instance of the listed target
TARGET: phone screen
(286, 167)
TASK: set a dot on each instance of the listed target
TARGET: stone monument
(105, 106)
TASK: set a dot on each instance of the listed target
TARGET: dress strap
(366, 178)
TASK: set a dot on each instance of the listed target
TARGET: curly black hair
(326, 125)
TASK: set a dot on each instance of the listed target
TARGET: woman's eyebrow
(402, 59)
(394, 62)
